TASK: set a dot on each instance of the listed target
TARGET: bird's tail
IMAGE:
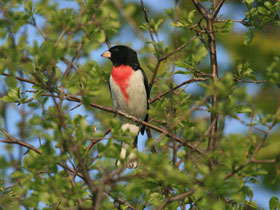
(135, 130)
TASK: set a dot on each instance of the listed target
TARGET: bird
(130, 92)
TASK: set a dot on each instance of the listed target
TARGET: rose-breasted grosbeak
(129, 91)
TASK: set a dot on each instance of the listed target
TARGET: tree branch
(129, 20)
(147, 20)
(132, 118)
(12, 140)
(176, 87)
(175, 198)
(217, 9)
(259, 146)
(164, 57)
(201, 9)
(214, 69)
(177, 49)
(19, 78)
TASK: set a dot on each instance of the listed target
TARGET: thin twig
(130, 117)
(164, 57)
(259, 146)
(129, 20)
(200, 8)
(12, 140)
(250, 81)
(177, 49)
(176, 87)
(217, 9)
(175, 198)
(20, 78)
(147, 20)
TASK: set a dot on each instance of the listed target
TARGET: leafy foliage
(61, 138)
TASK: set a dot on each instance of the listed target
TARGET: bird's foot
(133, 163)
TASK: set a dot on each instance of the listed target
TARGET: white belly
(137, 98)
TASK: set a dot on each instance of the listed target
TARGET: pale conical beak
(106, 54)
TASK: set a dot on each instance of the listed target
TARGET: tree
(61, 153)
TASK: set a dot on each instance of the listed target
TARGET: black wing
(111, 93)
(146, 83)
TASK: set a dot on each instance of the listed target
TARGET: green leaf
(11, 81)
(249, 2)
(181, 72)
(274, 203)
(262, 10)
(37, 94)
(250, 205)
(268, 4)
(191, 15)
(7, 99)
(226, 27)
(100, 36)
(244, 109)
(249, 36)
(158, 24)
(85, 101)
(13, 95)
(28, 5)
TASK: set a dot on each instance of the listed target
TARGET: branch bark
(210, 19)
(176, 87)
(175, 198)
(11, 140)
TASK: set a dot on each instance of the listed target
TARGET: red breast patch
(121, 75)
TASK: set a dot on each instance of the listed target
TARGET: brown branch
(164, 132)
(92, 143)
(132, 118)
(12, 140)
(154, 74)
(75, 107)
(121, 201)
(34, 23)
(265, 161)
(177, 49)
(201, 9)
(21, 143)
(65, 60)
(70, 64)
(183, 195)
(164, 57)
(182, 118)
(19, 78)
(214, 68)
(74, 147)
(99, 195)
(64, 31)
(259, 146)
(153, 43)
(251, 121)
(129, 20)
(175, 198)
(172, 112)
(96, 140)
(107, 41)
(250, 81)
(217, 9)
(147, 20)
(176, 87)
(235, 21)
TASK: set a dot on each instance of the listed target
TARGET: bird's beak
(106, 54)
